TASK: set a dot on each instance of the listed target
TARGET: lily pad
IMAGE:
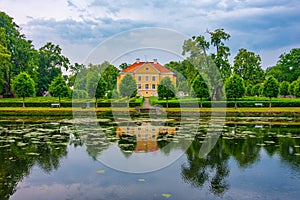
(32, 154)
(101, 171)
(166, 195)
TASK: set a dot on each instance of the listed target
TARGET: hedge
(69, 104)
(208, 104)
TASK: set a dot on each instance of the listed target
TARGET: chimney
(155, 61)
(137, 60)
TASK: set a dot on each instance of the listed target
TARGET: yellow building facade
(147, 76)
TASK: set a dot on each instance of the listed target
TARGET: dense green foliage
(128, 87)
(256, 90)
(166, 89)
(297, 88)
(248, 66)
(287, 67)
(271, 88)
(100, 89)
(234, 87)
(59, 88)
(23, 86)
(200, 88)
(284, 88)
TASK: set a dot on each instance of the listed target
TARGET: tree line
(204, 74)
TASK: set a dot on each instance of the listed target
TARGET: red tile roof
(132, 68)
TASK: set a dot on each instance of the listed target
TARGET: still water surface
(53, 159)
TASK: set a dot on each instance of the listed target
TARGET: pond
(148, 159)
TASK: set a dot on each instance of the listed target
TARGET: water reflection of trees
(243, 144)
(212, 170)
(27, 146)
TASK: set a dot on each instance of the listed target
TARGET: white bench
(55, 105)
(258, 104)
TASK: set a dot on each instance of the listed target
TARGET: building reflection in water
(144, 136)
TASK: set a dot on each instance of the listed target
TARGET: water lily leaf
(101, 171)
(141, 180)
(32, 154)
(166, 195)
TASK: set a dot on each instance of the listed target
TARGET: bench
(258, 105)
(55, 105)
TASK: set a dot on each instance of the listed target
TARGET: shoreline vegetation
(290, 112)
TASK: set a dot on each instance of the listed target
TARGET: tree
(271, 88)
(110, 75)
(284, 88)
(256, 90)
(5, 56)
(234, 88)
(100, 89)
(249, 90)
(166, 89)
(51, 63)
(292, 88)
(297, 88)
(208, 64)
(59, 88)
(287, 67)
(220, 58)
(22, 55)
(248, 66)
(91, 83)
(200, 88)
(23, 85)
(123, 66)
(128, 87)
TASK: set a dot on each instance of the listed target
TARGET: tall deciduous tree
(284, 88)
(128, 87)
(51, 63)
(217, 38)
(234, 88)
(287, 67)
(59, 88)
(22, 55)
(166, 89)
(200, 88)
(271, 88)
(248, 66)
(23, 85)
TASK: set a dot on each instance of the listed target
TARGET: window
(147, 86)
(139, 78)
(147, 68)
(153, 78)
(147, 78)
(139, 86)
(153, 86)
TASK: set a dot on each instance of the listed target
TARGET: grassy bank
(230, 112)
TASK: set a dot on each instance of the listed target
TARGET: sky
(267, 27)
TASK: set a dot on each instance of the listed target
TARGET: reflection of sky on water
(77, 178)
